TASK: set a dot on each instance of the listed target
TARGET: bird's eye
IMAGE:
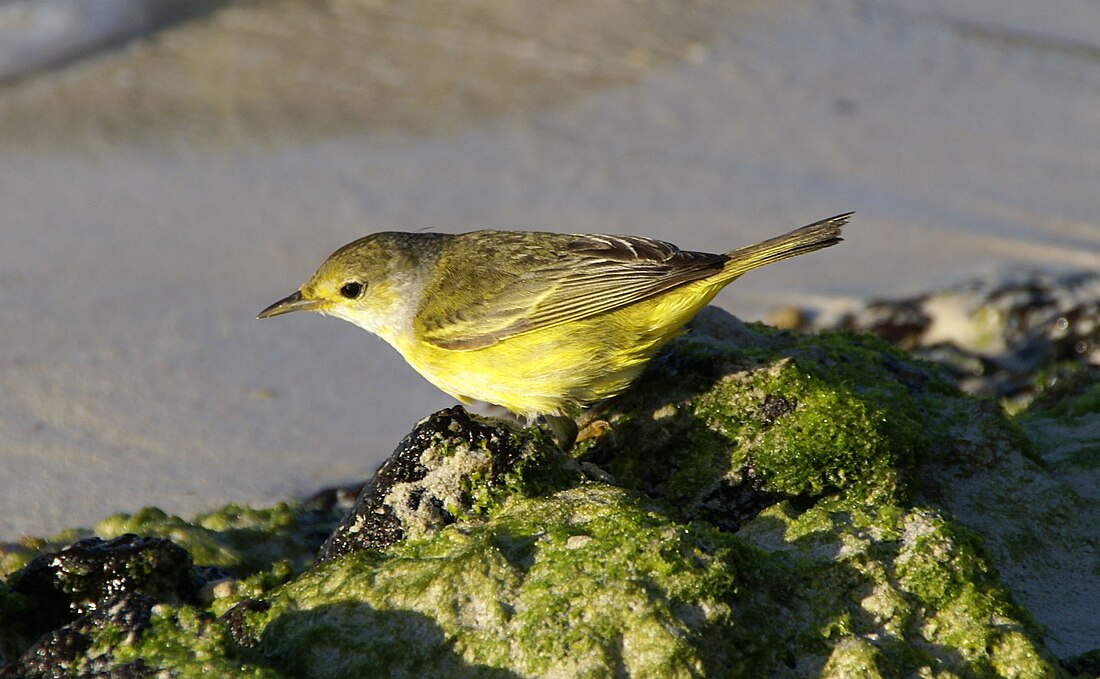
(352, 289)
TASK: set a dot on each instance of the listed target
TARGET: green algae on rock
(188, 643)
(896, 592)
(575, 584)
(240, 539)
(776, 413)
(777, 505)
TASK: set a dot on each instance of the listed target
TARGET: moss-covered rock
(762, 504)
(85, 646)
(575, 584)
(1038, 514)
(241, 540)
(778, 413)
(79, 578)
(897, 592)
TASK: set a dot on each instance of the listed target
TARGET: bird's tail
(800, 241)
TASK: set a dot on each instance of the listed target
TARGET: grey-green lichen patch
(582, 583)
(597, 580)
(454, 468)
(188, 643)
(898, 593)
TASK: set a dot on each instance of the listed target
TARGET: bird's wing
(523, 284)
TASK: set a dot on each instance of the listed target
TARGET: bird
(542, 324)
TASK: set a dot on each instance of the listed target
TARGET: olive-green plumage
(535, 322)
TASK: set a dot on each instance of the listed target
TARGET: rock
(95, 594)
(77, 649)
(641, 593)
(738, 426)
(1086, 664)
(1038, 515)
(265, 547)
(447, 467)
(1032, 339)
(240, 540)
(80, 577)
(993, 336)
(234, 621)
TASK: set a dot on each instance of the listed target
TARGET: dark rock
(64, 651)
(234, 621)
(76, 580)
(731, 505)
(419, 486)
(901, 322)
(992, 336)
(774, 407)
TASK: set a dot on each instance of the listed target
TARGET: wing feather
(524, 283)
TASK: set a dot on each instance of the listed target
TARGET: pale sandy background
(155, 195)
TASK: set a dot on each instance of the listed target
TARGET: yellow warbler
(538, 323)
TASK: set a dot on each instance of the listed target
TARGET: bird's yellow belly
(550, 370)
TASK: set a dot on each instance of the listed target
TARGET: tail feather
(800, 241)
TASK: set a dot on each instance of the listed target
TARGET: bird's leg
(591, 425)
(593, 429)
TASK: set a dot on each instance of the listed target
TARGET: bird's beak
(294, 302)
